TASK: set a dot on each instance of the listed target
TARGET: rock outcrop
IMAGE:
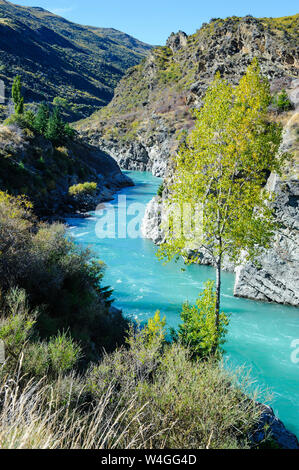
(271, 427)
(151, 224)
(30, 164)
(277, 276)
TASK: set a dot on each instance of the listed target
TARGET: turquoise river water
(261, 336)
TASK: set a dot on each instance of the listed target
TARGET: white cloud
(61, 11)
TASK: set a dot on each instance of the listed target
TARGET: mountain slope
(56, 57)
(153, 101)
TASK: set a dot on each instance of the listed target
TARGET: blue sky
(152, 21)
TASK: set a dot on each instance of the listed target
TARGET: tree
(16, 94)
(220, 172)
(282, 101)
(55, 127)
(61, 102)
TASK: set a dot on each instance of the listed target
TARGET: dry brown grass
(34, 417)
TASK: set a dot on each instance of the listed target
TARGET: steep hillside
(32, 165)
(153, 101)
(57, 58)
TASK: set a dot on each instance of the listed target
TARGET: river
(260, 334)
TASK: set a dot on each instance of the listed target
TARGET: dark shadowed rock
(270, 426)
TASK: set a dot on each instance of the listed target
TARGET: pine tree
(283, 103)
(41, 118)
(55, 127)
(16, 94)
(222, 170)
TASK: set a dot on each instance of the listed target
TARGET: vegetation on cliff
(41, 157)
(154, 101)
(61, 280)
(61, 60)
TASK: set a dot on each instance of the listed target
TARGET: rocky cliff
(275, 275)
(153, 104)
(32, 165)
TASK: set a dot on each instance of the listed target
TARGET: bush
(160, 190)
(149, 395)
(198, 330)
(16, 323)
(185, 403)
(64, 353)
(58, 274)
(23, 121)
(19, 334)
(282, 102)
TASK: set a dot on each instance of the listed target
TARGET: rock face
(152, 220)
(275, 430)
(277, 277)
(176, 41)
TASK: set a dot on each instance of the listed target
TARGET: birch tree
(223, 168)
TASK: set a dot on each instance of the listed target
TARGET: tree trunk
(218, 289)
(217, 305)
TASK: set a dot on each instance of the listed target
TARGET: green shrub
(282, 102)
(148, 395)
(41, 118)
(186, 403)
(198, 330)
(61, 102)
(64, 353)
(160, 190)
(82, 189)
(24, 120)
(59, 275)
(17, 322)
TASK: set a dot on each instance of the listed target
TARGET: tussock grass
(141, 397)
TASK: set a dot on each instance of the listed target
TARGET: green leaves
(282, 102)
(198, 329)
(83, 188)
(223, 167)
